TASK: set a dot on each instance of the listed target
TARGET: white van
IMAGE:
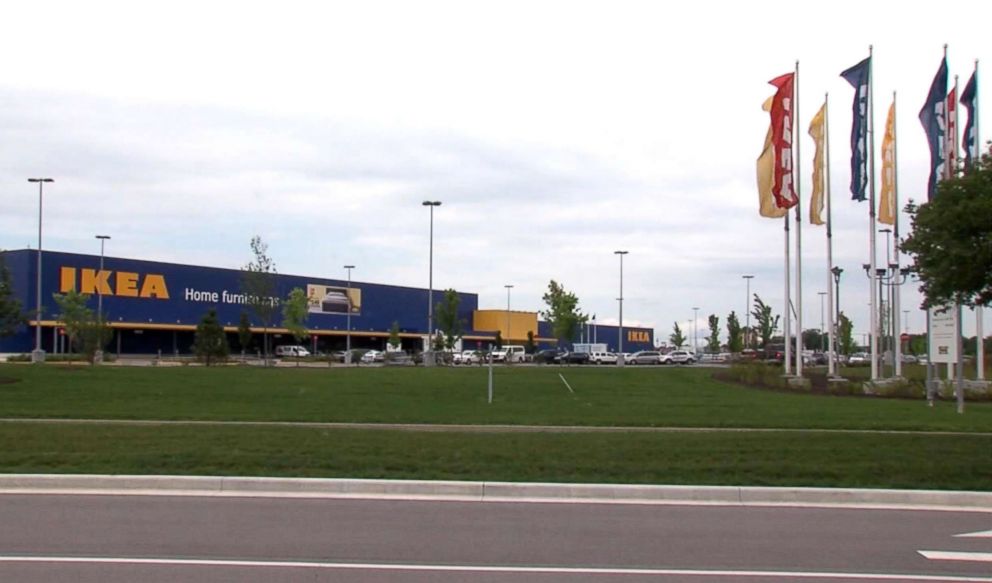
(509, 354)
(290, 350)
(602, 357)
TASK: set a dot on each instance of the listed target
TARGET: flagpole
(875, 311)
(895, 277)
(959, 328)
(799, 231)
(831, 340)
(787, 324)
(979, 316)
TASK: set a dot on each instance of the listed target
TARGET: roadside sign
(943, 335)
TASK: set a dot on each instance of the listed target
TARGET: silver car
(644, 357)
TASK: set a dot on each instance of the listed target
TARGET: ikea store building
(154, 307)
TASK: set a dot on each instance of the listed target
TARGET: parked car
(573, 358)
(677, 357)
(509, 353)
(909, 359)
(291, 350)
(373, 356)
(546, 356)
(644, 357)
(859, 358)
(603, 357)
(467, 357)
(774, 352)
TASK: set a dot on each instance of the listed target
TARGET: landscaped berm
(644, 426)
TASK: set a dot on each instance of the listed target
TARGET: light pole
(695, 318)
(836, 271)
(822, 313)
(347, 341)
(429, 355)
(38, 355)
(98, 355)
(747, 309)
(620, 299)
(508, 288)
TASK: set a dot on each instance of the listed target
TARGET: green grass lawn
(678, 396)
(683, 397)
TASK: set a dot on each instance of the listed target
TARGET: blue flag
(933, 116)
(969, 99)
(859, 76)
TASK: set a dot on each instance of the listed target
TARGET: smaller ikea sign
(638, 336)
(113, 283)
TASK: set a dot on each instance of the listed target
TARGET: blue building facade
(155, 306)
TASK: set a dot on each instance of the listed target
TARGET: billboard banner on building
(327, 299)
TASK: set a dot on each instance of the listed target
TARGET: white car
(373, 356)
(602, 358)
(291, 351)
(678, 357)
(467, 357)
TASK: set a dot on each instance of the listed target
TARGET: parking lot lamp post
(695, 341)
(822, 313)
(429, 355)
(347, 338)
(508, 288)
(747, 309)
(620, 299)
(837, 271)
(98, 355)
(38, 355)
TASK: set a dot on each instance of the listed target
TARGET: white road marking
(979, 534)
(790, 575)
(957, 556)
(566, 383)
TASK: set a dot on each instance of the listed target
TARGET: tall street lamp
(695, 318)
(620, 299)
(98, 355)
(347, 341)
(747, 309)
(429, 355)
(508, 288)
(38, 355)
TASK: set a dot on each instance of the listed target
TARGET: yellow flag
(816, 131)
(766, 175)
(887, 201)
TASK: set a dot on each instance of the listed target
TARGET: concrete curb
(491, 491)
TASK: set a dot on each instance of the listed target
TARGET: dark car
(547, 356)
(574, 358)
(774, 352)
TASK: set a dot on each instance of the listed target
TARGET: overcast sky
(554, 133)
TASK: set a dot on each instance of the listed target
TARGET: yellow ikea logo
(638, 336)
(109, 283)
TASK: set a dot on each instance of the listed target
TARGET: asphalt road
(110, 538)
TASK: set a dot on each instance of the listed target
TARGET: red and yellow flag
(766, 175)
(887, 200)
(817, 132)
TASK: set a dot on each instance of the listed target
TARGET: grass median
(657, 397)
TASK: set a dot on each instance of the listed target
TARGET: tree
(498, 341)
(813, 339)
(562, 313)
(294, 315)
(764, 321)
(845, 334)
(713, 341)
(394, 335)
(446, 317)
(950, 239)
(210, 342)
(734, 340)
(530, 346)
(258, 281)
(677, 338)
(244, 333)
(85, 331)
(10, 309)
